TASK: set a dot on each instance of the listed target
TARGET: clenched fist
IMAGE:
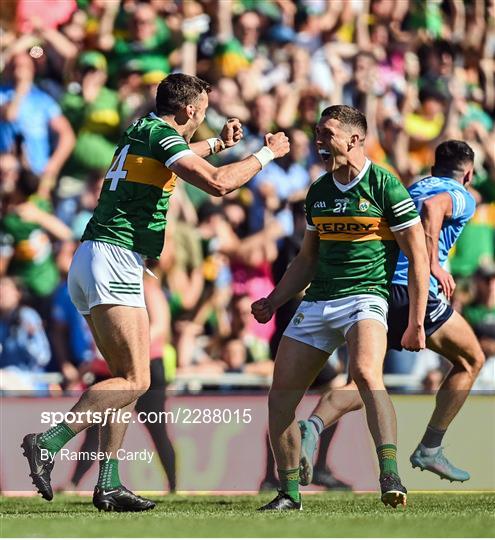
(231, 132)
(262, 310)
(414, 338)
(278, 143)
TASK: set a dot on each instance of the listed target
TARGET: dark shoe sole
(263, 509)
(440, 475)
(394, 498)
(110, 507)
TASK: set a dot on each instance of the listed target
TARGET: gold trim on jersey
(353, 228)
(149, 171)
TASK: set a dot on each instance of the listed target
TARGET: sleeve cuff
(310, 227)
(177, 156)
(406, 224)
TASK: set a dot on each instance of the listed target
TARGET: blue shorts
(437, 313)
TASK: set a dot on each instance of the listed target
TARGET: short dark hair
(178, 90)
(451, 157)
(363, 54)
(347, 116)
(430, 92)
(28, 183)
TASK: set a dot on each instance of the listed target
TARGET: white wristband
(212, 143)
(264, 156)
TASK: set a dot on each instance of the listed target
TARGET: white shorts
(102, 273)
(324, 324)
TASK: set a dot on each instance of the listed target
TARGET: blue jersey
(463, 207)
(36, 111)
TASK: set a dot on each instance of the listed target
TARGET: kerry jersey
(134, 200)
(463, 208)
(355, 224)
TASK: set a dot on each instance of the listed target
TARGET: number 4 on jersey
(117, 171)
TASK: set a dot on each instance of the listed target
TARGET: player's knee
(139, 385)
(475, 361)
(366, 377)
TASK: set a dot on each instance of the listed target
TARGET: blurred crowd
(75, 73)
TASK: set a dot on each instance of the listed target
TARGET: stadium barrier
(194, 383)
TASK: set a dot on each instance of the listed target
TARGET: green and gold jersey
(355, 223)
(31, 251)
(133, 204)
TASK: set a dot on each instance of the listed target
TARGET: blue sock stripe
(317, 422)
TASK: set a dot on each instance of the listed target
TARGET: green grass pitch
(327, 514)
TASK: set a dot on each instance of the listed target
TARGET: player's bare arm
(435, 210)
(296, 278)
(412, 242)
(219, 181)
(230, 135)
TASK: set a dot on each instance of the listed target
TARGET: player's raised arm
(412, 242)
(295, 279)
(435, 210)
(219, 181)
(181, 103)
(230, 135)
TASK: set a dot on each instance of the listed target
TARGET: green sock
(108, 477)
(289, 482)
(56, 437)
(387, 457)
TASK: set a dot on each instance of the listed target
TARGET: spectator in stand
(29, 15)
(262, 120)
(363, 83)
(234, 356)
(280, 184)
(86, 203)
(437, 66)
(236, 49)
(425, 127)
(32, 119)
(24, 347)
(224, 102)
(148, 39)
(9, 173)
(482, 309)
(26, 230)
(94, 112)
(258, 350)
